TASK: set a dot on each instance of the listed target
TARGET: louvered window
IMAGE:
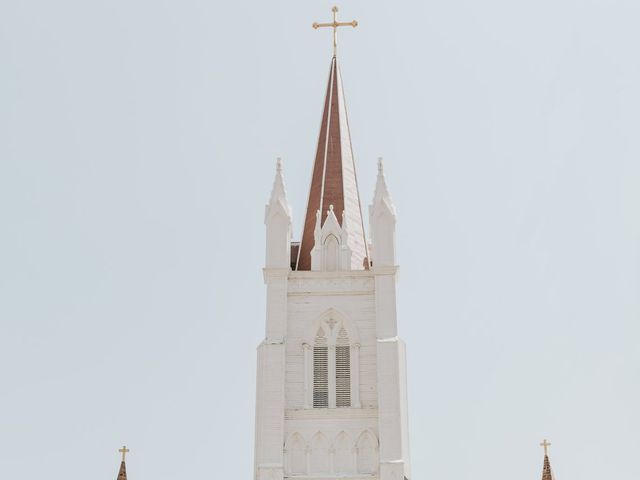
(320, 371)
(343, 370)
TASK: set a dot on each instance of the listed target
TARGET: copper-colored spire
(122, 474)
(547, 474)
(333, 181)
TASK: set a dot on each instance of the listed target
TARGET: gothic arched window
(319, 459)
(332, 251)
(366, 447)
(320, 371)
(296, 455)
(332, 364)
(343, 370)
(344, 457)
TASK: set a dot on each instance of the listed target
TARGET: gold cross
(335, 24)
(546, 445)
(124, 450)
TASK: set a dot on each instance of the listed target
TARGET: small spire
(381, 193)
(345, 230)
(331, 219)
(318, 226)
(122, 473)
(278, 199)
(547, 473)
(278, 190)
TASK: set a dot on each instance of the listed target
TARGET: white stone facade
(331, 380)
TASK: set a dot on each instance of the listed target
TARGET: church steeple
(547, 473)
(122, 474)
(331, 375)
(333, 181)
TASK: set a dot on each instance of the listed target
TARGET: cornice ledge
(344, 284)
(390, 270)
(274, 272)
(389, 339)
(338, 274)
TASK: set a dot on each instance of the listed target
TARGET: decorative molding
(341, 285)
(351, 476)
(385, 270)
(346, 413)
(274, 273)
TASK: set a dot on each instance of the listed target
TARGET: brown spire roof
(333, 181)
(122, 474)
(547, 474)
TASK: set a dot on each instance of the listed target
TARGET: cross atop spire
(124, 450)
(335, 24)
(545, 444)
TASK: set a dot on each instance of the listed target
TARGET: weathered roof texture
(122, 474)
(547, 474)
(333, 181)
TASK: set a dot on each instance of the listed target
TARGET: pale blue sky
(137, 147)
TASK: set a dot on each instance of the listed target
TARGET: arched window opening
(319, 461)
(297, 455)
(320, 371)
(332, 250)
(367, 460)
(343, 370)
(344, 460)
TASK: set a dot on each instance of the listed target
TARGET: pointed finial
(345, 226)
(545, 444)
(380, 166)
(124, 450)
(330, 208)
(317, 228)
(278, 191)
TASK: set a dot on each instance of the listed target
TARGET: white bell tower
(331, 387)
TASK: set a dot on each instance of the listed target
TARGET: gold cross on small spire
(335, 24)
(545, 444)
(124, 450)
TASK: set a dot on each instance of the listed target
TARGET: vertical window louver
(320, 371)
(343, 370)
